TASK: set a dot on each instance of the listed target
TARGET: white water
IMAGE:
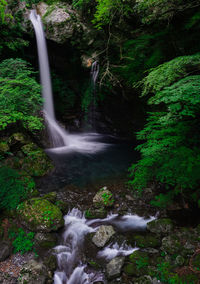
(59, 137)
(71, 270)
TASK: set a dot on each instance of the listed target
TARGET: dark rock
(160, 226)
(5, 250)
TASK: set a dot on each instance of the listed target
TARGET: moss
(196, 262)
(51, 197)
(36, 162)
(160, 226)
(136, 255)
(39, 214)
(146, 241)
(4, 148)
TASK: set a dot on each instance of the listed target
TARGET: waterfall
(61, 139)
(94, 75)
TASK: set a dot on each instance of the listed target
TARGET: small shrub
(23, 242)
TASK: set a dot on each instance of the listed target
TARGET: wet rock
(171, 244)
(33, 272)
(50, 262)
(114, 267)
(95, 213)
(103, 198)
(40, 215)
(5, 250)
(36, 162)
(160, 226)
(103, 235)
(146, 241)
(45, 240)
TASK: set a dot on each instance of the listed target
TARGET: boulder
(137, 264)
(33, 272)
(147, 241)
(160, 226)
(114, 267)
(40, 215)
(45, 240)
(103, 198)
(5, 250)
(96, 213)
(103, 235)
(171, 245)
(36, 162)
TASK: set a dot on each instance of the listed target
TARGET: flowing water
(59, 137)
(71, 267)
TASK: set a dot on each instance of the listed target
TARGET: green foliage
(170, 153)
(107, 199)
(106, 10)
(20, 98)
(142, 262)
(3, 13)
(168, 73)
(23, 242)
(166, 275)
(13, 188)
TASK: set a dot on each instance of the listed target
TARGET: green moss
(4, 148)
(36, 162)
(146, 241)
(40, 215)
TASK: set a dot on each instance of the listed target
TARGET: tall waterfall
(61, 140)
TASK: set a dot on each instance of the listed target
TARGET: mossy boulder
(137, 264)
(33, 272)
(51, 197)
(146, 241)
(171, 245)
(45, 240)
(17, 138)
(35, 162)
(103, 198)
(160, 226)
(96, 213)
(40, 215)
(4, 147)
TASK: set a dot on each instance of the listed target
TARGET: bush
(13, 188)
(20, 98)
(170, 153)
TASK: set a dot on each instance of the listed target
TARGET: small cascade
(92, 109)
(59, 137)
(71, 269)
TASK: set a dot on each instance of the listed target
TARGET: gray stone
(4, 250)
(103, 235)
(179, 260)
(33, 272)
(160, 226)
(171, 244)
(114, 267)
(146, 279)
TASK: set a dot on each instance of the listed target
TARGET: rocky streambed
(103, 240)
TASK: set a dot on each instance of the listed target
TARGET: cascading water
(71, 269)
(59, 137)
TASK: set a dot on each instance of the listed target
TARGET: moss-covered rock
(51, 197)
(33, 272)
(103, 198)
(195, 262)
(38, 214)
(18, 138)
(96, 213)
(4, 147)
(160, 226)
(146, 241)
(45, 240)
(36, 162)
(171, 245)
(137, 264)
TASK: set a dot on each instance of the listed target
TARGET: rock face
(160, 226)
(40, 215)
(4, 251)
(33, 272)
(114, 267)
(103, 235)
(60, 20)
